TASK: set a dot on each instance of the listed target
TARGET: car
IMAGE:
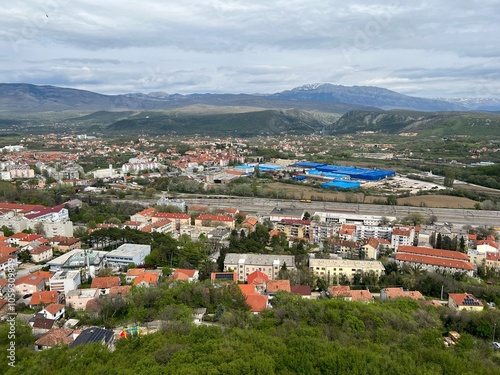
(495, 345)
(26, 296)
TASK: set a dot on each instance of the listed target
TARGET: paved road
(458, 217)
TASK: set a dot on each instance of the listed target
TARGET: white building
(245, 264)
(106, 173)
(333, 269)
(128, 254)
(65, 281)
(348, 218)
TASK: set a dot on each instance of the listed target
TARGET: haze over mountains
(317, 108)
(321, 97)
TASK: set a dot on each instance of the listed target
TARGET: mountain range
(316, 108)
(24, 97)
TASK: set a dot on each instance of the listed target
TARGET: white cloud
(424, 48)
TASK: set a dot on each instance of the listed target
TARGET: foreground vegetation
(297, 336)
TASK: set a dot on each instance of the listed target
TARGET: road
(261, 206)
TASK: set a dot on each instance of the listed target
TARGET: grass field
(307, 192)
(444, 201)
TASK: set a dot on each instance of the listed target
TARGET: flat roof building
(128, 253)
(65, 281)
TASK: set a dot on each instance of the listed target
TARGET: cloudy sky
(446, 48)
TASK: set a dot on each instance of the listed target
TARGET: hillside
(425, 124)
(269, 122)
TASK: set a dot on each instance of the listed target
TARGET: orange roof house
(274, 286)
(464, 301)
(257, 277)
(393, 293)
(184, 274)
(257, 302)
(44, 298)
(105, 282)
(147, 279)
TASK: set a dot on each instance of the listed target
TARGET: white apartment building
(64, 281)
(245, 264)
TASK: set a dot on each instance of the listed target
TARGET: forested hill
(297, 336)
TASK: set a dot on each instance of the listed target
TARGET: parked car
(495, 345)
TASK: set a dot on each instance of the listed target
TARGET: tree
(392, 200)
(449, 178)
(439, 241)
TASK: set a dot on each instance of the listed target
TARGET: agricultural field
(443, 201)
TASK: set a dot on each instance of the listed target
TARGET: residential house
(144, 216)
(185, 274)
(250, 223)
(344, 292)
(79, 298)
(66, 244)
(41, 254)
(147, 279)
(393, 293)
(274, 286)
(44, 298)
(53, 311)
(34, 282)
(302, 290)
(132, 273)
(160, 226)
(54, 337)
(464, 301)
(40, 324)
(105, 283)
(94, 335)
(256, 301)
(492, 260)
(370, 248)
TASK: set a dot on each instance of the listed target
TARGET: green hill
(239, 124)
(425, 124)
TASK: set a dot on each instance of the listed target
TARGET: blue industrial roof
(307, 164)
(342, 184)
(315, 172)
(267, 167)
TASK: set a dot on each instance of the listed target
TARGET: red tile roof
(44, 298)
(148, 278)
(105, 282)
(433, 252)
(247, 289)
(135, 271)
(414, 258)
(257, 302)
(215, 218)
(277, 285)
(361, 295)
(489, 243)
(257, 277)
(460, 297)
(34, 278)
(401, 293)
(303, 290)
(55, 336)
(54, 308)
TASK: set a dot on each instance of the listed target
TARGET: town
(89, 244)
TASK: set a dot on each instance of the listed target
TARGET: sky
(445, 48)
